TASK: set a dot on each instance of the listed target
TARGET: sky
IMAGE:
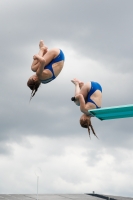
(44, 135)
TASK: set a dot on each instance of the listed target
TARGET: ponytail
(33, 85)
(85, 122)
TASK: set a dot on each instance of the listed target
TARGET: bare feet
(39, 58)
(81, 84)
(41, 44)
(75, 81)
(43, 47)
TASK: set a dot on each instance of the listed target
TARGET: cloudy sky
(97, 39)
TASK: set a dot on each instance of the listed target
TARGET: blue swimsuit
(60, 57)
(94, 86)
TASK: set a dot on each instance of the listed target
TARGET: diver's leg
(47, 55)
(41, 72)
(51, 54)
(42, 51)
(81, 87)
(77, 88)
(85, 89)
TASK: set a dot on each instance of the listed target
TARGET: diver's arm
(82, 103)
(41, 72)
(40, 69)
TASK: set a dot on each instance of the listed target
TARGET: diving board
(114, 112)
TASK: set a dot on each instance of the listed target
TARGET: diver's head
(33, 83)
(85, 122)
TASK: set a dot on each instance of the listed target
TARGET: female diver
(47, 65)
(88, 96)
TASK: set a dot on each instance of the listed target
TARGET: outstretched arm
(82, 103)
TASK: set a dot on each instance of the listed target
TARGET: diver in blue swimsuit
(88, 96)
(47, 65)
(59, 58)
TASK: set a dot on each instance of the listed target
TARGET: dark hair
(86, 123)
(33, 85)
(73, 99)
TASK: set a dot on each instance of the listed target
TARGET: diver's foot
(41, 44)
(81, 84)
(75, 81)
(44, 49)
(39, 58)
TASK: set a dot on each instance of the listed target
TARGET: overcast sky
(96, 37)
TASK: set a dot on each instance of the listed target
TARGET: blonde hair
(33, 85)
(85, 122)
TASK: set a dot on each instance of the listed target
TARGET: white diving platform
(114, 112)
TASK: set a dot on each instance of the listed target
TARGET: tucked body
(47, 65)
(88, 96)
